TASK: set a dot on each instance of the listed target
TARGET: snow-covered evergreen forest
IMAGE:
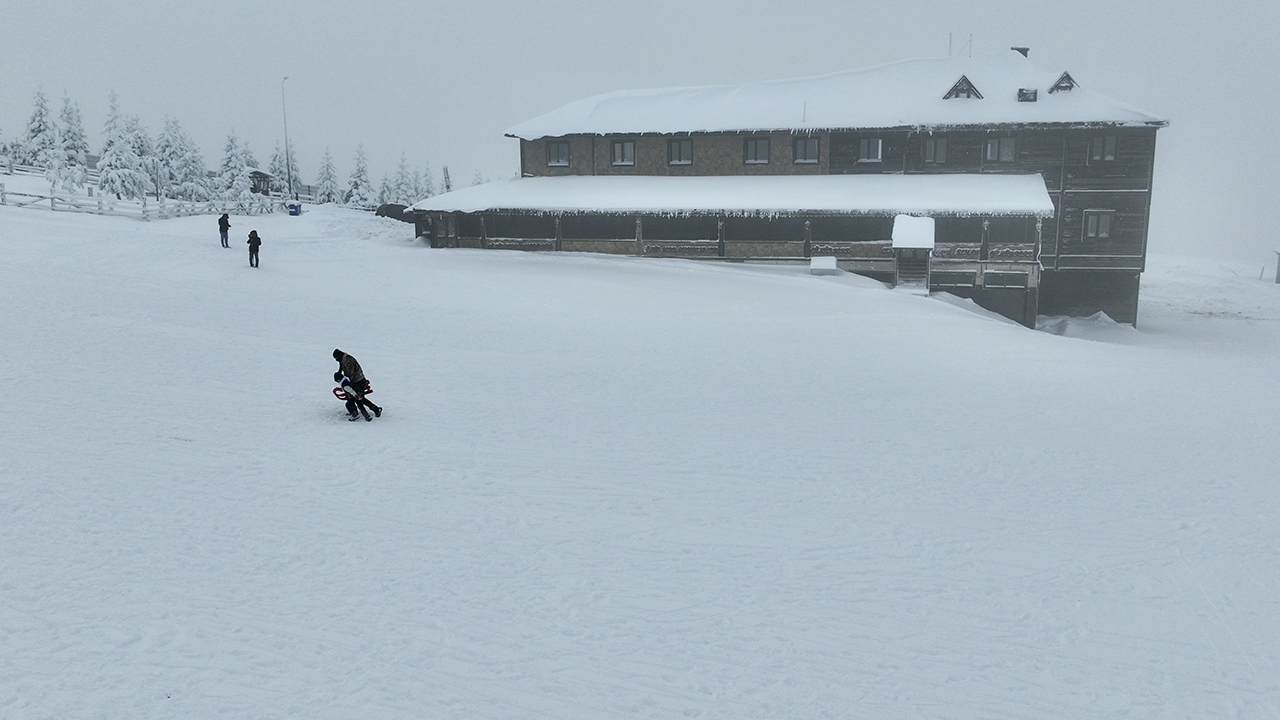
(133, 164)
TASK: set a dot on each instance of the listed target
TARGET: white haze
(441, 81)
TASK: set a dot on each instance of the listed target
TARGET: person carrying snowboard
(353, 383)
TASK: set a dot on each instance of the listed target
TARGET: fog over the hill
(442, 81)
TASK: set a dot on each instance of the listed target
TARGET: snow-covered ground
(609, 487)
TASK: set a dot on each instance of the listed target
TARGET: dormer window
(1064, 84)
(963, 89)
(1028, 94)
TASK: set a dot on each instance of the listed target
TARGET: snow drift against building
(936, 195)
(902, 94)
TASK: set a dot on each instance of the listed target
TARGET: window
(756, 151)
(1102, 149)
(680, 152)
(624, 152)
(558, 153)
(1097, 223)
(806, 150)
(1003, 150)
(935, 150)
(963, 89)
(869, 149)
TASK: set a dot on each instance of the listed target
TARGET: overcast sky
(441, 81)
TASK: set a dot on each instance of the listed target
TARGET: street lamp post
(288, 164)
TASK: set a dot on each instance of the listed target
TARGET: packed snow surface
(969, 194)
(610, 487)
(897, 95)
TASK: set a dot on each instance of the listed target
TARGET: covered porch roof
(762, 195)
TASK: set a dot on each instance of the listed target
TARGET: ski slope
(607, 487)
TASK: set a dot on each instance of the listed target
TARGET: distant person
(255, 242)
(224, 224)
(353, 382)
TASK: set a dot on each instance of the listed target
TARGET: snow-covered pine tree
(359, 191)
(402, 189)
(119, 167)
(277, 169)
(75, 146)
(293, 167)
(182, 163)
(232, 163)
(233, 174)
(148, 162)
(327, 190)
(385, 191)
(42, 140)
(247, 156)
(428, 188)
(74, 140)
(281, 173)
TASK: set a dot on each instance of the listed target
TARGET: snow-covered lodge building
(1040, 189)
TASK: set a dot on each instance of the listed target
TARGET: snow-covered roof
(756, 195)
(902, 94)
(913, 232)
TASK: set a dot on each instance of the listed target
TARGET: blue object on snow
(295, 208)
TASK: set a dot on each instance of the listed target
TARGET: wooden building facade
(1000, 117)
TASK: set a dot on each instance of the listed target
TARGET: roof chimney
(1023, 50)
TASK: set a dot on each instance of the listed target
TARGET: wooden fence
(144, 209)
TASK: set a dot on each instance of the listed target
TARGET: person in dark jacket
(255, 242)
(224, 224)
(351, 377)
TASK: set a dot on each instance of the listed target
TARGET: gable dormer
(1065, 83)
(963, 89)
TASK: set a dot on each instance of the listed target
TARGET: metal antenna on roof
(968, 45)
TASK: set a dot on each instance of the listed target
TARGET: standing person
(255, 242)
(224, 224)
(353, 383)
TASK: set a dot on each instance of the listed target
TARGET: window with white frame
(806, 150)
(680, 152)
(870, 150)
(1097, 224)
(755, 151)
(624, 152)
(558, 153)
(1102, 149)
(1001, 150)
(935, 150)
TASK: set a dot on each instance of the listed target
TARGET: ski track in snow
(613, 487)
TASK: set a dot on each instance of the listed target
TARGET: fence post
(3, 201)
(144, 208)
